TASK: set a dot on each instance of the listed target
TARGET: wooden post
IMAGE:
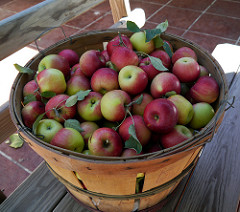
(120, 8)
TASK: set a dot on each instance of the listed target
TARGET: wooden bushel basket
(108, 183)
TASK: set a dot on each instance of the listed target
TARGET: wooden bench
(214, 185)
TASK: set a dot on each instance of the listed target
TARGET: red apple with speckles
(146, 65)
(70, 55)
(88, 128)
(183, 52)
(31, 88)
(138, 109)
(77, 83)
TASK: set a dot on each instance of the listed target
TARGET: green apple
(184, 108)
(203, 113)
(47, 128)
(138, 40)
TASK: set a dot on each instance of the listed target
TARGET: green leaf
(82, 94)
(131, 26)
(163, 26)
(73, 123)
(24, 70)
(133, 142)
(48, 94)
(35, 124)
(157, 63)
(72, 100)
(158, 42)
(137, 101)
(29, 98)
(151, 33)
(167, 49)
(15, 141)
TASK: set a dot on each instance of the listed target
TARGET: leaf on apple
(29, 98)
(35, 124)
(131, 26)
(82, 94)
(48, 94)
(167, 49)
(72, 100)
(23, 70)
(73, 123)
(151, 33)
(157, 63)
(133, 142)
(15, 141)
(158, 42)
(137, 101)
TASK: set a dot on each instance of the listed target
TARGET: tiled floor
(205, 22)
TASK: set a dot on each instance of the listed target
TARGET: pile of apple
(130, 98)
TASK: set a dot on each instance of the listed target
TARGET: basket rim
(206, 131)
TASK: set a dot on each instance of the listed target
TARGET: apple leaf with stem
(35, 124)
(48, 94)
(133, 142)
(167, 49)
(73, 123)
(137, 101)
(162, 26)
(133, 27)
(29, 98)
(80, 95)
(15, 141)
(23, 70)
(157, 64)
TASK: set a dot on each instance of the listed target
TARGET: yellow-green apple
(138, 40)
(90, 61)
(31, 111)
(206, 89)
(70, 55)
(203, 113)
(89, 108)
(68, 138)
(47, 128)
(113, 105)
(129, 153)
(104, 80)
(86, 152)
(186, 69)
(55, 61)
(132, 79)
(160, 115)
(163, 56)
(176, 136)
(116, 42)
(56, 108)
(146, 65)
(163, 83)
(123, 56)
(105, 142)
(184, 108)
(138, 109)
(183, 52)
(203, 71)
(31, 88)
(46, 78)
(88, 128)
(142, 132)
(77, 83)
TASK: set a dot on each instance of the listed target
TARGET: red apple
(129, 153)
(183, 52)
(70, 55)
(142, 132)
(206, 89)
(186, 69)
(68, 138)
(113, 105)
(163, 56)
(176, 136)
(90, 61)
(203, 71)
(105, 142)
(163, 83)
(88, 128)
(132, 79)
(46, 78)
(138, 109)
(89, 109)
(160, 115)
(76, 70)
(105, 54)
(31, 88)
(77, 83)
(56, 108)
(104, 80)
(31, 111)
(55, 61)
(115, 43)
(123, 56)
(146, 65)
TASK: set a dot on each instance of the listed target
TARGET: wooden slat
(22, 28)
(120, 8)
(41, 191)
(6, 125)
